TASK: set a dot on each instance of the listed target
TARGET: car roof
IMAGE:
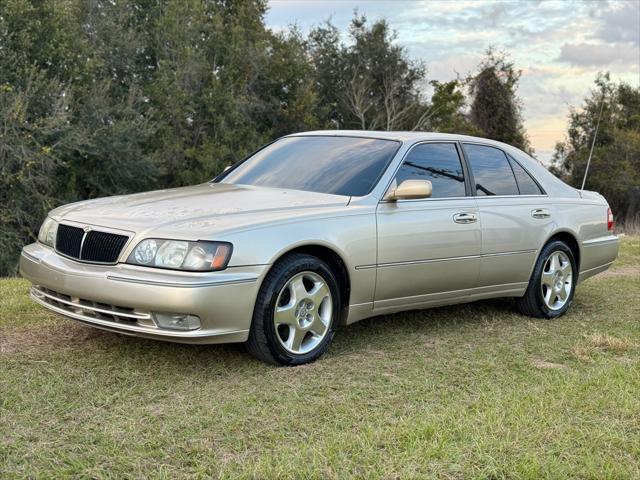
(398, 136)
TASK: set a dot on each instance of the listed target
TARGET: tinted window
(491, 171)
(437, 162)
(336, 165)
(526, 184)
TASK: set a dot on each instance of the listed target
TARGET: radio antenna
(593, 144)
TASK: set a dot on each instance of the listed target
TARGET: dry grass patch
(50, 338)
(601, 343)
(630, 271)
(543, 364)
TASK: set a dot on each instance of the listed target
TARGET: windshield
(337, 165)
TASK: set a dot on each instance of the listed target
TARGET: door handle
(540, 213)
(465, 217)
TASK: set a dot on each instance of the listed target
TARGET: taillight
(609, 219)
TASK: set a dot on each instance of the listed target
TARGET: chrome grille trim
(90, 312)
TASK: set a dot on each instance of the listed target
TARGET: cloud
(598, 55)
(620, 23)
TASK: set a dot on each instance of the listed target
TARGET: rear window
(492, 173)
(326, 164)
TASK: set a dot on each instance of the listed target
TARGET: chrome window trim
(417, 200)
(513, 196)
(414, 200)
(404, 157)
(509, 159)
(467, 172)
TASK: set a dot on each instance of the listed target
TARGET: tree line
(102, 97)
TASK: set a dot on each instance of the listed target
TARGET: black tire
(532, 303)
(263, 342)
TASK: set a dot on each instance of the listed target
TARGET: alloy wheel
(303, 312)
(556, 280)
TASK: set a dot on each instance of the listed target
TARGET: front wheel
(296, 311)
(552, 284)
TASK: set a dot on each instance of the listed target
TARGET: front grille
(89, 309)
(68, 240)
(93, 246)
(102, 247)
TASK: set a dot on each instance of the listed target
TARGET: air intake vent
(93, 246)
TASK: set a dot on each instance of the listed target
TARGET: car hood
(214, 206)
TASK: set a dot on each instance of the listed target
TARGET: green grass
(472, 391)
(629, 252)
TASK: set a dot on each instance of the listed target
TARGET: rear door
(428, 249)
(515, 216)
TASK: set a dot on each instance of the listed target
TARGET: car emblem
(86, 228)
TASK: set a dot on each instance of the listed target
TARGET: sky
(560, 45)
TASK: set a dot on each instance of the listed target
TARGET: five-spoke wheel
(552, 282)
(303, 312)
(296, 311)
(556, 280)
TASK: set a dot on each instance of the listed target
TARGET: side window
(491, 171)
(526, 184)
(437, 162)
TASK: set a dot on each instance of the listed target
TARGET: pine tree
(495, 106)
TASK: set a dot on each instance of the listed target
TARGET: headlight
(181, 255)
(48, 230)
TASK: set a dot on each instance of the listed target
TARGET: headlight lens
(145, 252)
(181, 255)
(48, 231)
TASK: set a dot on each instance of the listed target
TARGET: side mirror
(411, 189)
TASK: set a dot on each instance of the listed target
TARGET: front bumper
(123, 298)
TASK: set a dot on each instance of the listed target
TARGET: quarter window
(492, 173)
(526, 184)
(437, 162)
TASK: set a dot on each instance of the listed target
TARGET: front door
(428, 249)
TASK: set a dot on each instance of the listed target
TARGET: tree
(33, 132)
(446, 110)
(495, 107)
(102, 97)
(223, 86)
(369, 84)
(615, 165)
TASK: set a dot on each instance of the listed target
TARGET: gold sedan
(322, 229)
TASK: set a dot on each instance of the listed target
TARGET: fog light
(177, 321)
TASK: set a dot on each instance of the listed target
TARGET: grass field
(473, 391)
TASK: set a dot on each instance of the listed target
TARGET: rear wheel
(552, 284)
(295, 313)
